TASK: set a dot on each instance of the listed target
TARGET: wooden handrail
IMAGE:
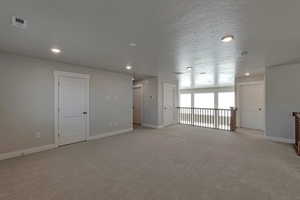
(297, 131)
(224, 119)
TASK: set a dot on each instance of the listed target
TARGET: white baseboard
(104, 135)
(281, 139)
(24, 152)
(4, 156)
(152, 126)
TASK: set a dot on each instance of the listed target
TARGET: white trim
(71, 74)
(152, 126)
(109, 134)
(137, 85)
(13, 154)
(57, 75)
(24, 152)
(208, 90)
(281, 139)
(250, 82)
(142, 101)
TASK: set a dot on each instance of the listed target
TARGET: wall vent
(19, 22)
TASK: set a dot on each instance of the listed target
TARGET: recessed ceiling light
(189, 68)
(132, 44)
(227, 38)
(247, 74)
(56, 50)
(128, 67)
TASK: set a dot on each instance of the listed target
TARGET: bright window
(204, 100)
(185, 100)
(226, 100)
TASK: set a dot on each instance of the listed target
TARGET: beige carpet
(174, 163)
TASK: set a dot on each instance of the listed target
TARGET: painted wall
(27, 101)
(282, 98)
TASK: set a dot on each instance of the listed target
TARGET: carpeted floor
(175, 163)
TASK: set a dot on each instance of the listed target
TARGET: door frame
(174, 102)
(57, 76)
(238, 88)
(142, 101)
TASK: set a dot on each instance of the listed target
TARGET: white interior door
(137, 105)
(73, 109)
(252, 108)
(169, 104)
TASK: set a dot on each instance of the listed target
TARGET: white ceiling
(170, 35)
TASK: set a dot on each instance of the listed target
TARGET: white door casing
(137, 105)
(169, 104)
(251, 102)
(72, 107)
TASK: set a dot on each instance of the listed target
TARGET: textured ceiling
(170, 35)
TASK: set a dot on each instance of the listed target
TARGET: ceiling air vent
(19, 22)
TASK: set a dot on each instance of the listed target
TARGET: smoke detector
(19, 22)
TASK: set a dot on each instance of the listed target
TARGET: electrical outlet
(38, 134)
(108, 98)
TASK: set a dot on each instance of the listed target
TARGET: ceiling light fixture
(247, 74)
(227, 38)
(189, 68)
(56, 50)
(128, 67)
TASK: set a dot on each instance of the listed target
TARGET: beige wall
(27, 101)
(282, 98)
